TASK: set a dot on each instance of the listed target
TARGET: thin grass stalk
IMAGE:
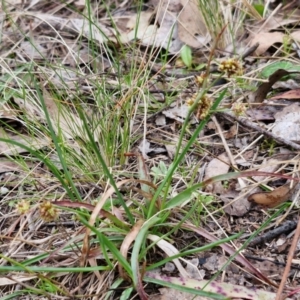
(105, 168)
(139, 241)
(54, 137)
(180, 157)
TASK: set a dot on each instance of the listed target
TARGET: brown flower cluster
(231, 67)
(199, 79)
(239, 109)
(48, 212)
(23, 206)
(203, 106)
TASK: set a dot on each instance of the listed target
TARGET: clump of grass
(226, 17)
(123, 216)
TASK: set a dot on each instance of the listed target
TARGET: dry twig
(245, 122)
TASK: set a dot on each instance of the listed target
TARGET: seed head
(239, 108)
(48, 212)
(231, 67)
(203, 106)
(23, 207)
(199, 79)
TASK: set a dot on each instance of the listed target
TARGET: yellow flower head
(231, 67)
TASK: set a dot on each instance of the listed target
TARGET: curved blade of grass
(114, 286)
(39, 269)
(140, 239)
(182, 197)
(14, 295)
(128, 240)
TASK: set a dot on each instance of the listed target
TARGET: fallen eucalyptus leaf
(290, 95)
(273, 198)
(260, 94)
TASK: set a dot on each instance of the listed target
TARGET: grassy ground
(97, 196)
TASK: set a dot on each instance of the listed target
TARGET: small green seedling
(186, 55)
